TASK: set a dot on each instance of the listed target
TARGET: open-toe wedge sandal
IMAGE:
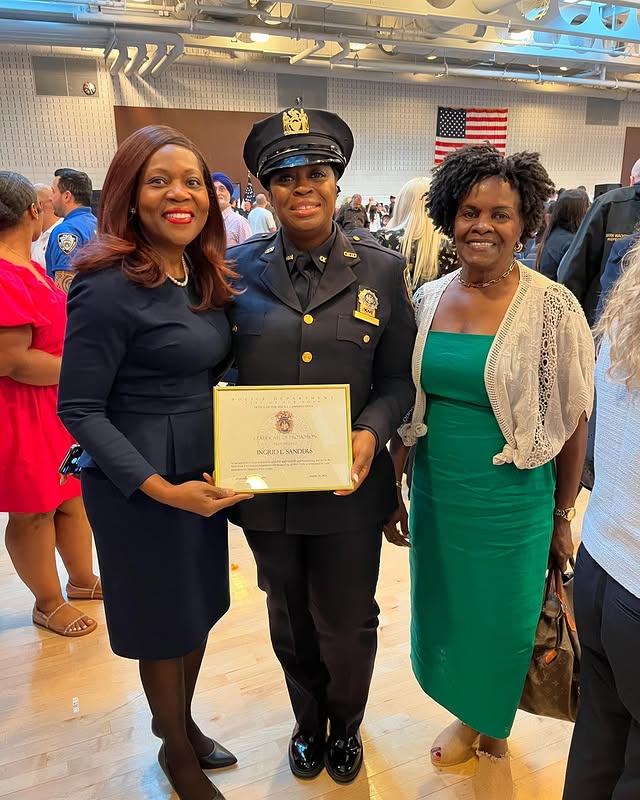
(45, 621)
(455, 745)
(84, 592)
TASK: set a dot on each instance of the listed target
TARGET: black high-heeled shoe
(218, 758)
(162, 761)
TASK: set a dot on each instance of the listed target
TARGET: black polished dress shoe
(343, 758)
(306, 754)
(162, 760)
(218, 758)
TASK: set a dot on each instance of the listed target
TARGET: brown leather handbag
(552, 686)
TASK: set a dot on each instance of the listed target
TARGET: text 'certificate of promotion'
(283, 438)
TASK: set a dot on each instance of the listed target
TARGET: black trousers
(604, 761)
(323, 619)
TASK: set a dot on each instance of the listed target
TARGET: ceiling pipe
(461, 72)
(308, 51)
(134, 65)
(120, 60)
(324, 68)
(340, 56)
(154, 61)
(222, 28)
(170, 58)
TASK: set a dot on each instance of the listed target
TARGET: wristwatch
(565, 513)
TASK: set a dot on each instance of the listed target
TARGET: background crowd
(481, 380)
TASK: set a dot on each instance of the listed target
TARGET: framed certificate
(283, 438)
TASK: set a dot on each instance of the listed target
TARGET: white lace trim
(537, 397)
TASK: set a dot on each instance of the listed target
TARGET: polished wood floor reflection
(74, 724)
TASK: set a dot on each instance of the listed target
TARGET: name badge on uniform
(367, 306)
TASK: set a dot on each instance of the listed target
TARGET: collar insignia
(269, 250)
(367, 306)
(323, 259)
(347, 254)
(295, 121)
(290, 257)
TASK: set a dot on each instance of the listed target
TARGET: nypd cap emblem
(67, 242)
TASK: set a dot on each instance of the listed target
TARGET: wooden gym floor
(74, 724)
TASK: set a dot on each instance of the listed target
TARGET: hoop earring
(519, 247)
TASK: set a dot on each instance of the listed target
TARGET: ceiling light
(357, 45)
(564, 69)
(259, 37)
(431, 58)
(520, 36)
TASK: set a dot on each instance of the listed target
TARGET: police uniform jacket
(278, 342)
(76, 229)
(612, 216)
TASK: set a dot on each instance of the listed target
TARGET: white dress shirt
(39, 247)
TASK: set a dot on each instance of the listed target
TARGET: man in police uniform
(319, 307)
(612, 216)
(71, 199)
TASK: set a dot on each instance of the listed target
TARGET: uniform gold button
(307, 357)
(235, 329)
(366, 338)
(308, 319)
(356, 238)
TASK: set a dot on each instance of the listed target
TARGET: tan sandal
(455, 745)
(44, 621)
(493, 779)
(84, 593)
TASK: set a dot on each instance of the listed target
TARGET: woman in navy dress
(147, 337)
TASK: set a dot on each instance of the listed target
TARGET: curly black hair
(454, 178)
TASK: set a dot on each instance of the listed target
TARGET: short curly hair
(454, 178)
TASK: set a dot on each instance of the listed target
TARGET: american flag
(249, 193)
(458, 127)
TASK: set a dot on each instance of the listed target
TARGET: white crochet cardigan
(539, 371)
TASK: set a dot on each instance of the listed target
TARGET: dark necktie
(302, 281)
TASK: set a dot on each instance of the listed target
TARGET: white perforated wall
(394, 124)
(39, 134)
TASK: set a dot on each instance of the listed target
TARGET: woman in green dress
(503, 368)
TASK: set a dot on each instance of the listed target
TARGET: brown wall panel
(220, 135)
(631, 153)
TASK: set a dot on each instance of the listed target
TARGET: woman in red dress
(43, 516)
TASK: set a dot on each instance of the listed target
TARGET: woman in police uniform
(319, 307)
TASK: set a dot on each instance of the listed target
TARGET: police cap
(297, 137)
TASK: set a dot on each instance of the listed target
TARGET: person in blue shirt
(71, 199)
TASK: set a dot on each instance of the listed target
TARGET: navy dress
(135, 391)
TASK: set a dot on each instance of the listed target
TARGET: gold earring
(519, 247)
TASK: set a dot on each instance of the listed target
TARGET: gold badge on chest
(295, 121)
(367, 306)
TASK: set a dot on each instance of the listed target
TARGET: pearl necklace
(184, 280)
(470, 285)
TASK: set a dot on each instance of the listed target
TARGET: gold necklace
(470, 285)
(184, 281)
(11, 250)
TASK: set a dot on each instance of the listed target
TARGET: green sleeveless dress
(480, 537)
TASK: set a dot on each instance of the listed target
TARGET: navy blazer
(138, 368)
(277, 342)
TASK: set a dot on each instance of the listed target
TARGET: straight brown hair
(122, 242)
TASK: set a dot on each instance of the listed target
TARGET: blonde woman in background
(411, 232)
(604, 761)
